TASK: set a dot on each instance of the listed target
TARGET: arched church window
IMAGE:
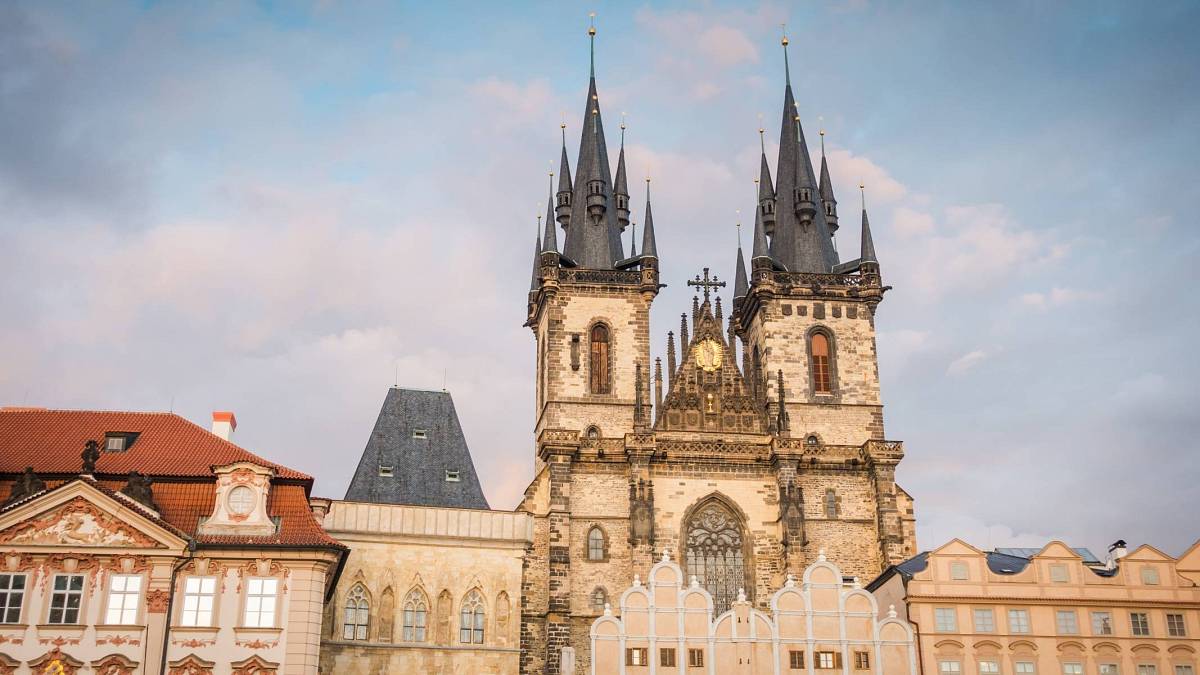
(812, 440)
(592, 433)
(599, 600)
(831, 504)
(596, 544)
(358, 611)
(416, 614)
(598, 373)
(470, 619)
(819, 346)
(716, 552)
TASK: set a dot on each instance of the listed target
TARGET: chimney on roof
(223, 424)
(1115, 552)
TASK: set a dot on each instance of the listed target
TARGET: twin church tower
(759, 442)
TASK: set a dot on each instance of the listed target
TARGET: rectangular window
(826, 660)
(1065, 619)
(1072, 669)
(1058, 574)
(198, 595)
(985, 621)
(796, 660)
(420, 433)
(1175, 626)
(1018, 621)
(123, 593)
(1150, 576)
(1139, 623)
(862, 660)
(637, 656)
(989, 667)
(949, 668)
(260, 602)
(452, 476)
(666, 657)
(1184, 670)
(1109, 669)
(114, 444)
(696, 658)
(945, 619)
(1024, 668)
(12, 596)
(958, 571)
(385, 470)
(66, 598)
(1147, 669)
(1102, 623)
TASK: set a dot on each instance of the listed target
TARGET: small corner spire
(828, 202)
(649, 246)
(549, 236)
(740, 284)
(760, 249)
(867, 250)
(621, 185)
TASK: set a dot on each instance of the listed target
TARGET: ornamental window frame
(10, 611)
(250, 596)
(472, 632)
(199, 594)
(834, 390)
(67, 593)
(591, 551)
(600, 384)
(414, 622)
(123, 613)
(356, 619)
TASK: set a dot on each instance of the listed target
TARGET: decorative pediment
(708, 392)
(240, 507)
(79, 515)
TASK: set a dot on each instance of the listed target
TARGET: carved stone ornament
(641, 512)
(791, 513)
(240, 507)
(255, 665)
(114, 664)
(138, 489)
(55, 661)
(91, 453)
(76, 523)
(157, 601)
(190, 665)
(25, 486)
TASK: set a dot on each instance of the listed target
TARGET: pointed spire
(740, 285)
(536, 281)
(550, 237)
(621, 187)
(781, 424)
(671, 354)
(766, 190)
(592, 202)
(637, 395)
(633, 240)
(684, 341)
(563, 209)
(828, 202)
(867, 250)
(760, 247)
(649, 247)
(720, 315)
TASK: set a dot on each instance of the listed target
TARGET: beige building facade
(425, 590)
(981, 613)
(817, 624)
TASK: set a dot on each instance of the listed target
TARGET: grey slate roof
(419, 465)
(593, 245)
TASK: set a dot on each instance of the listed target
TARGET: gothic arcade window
(819, 346)
(716, 553)
(596, 544)
(831, 504)
(358, 612)
(416, 613)
(599, 599)
(470, 619)
(598, 372)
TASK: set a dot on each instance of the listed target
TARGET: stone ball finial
(791, 580)
(637, 580)
(741, 595)
(821, 555)
(695, 582)
(891, 611)
(607, 609)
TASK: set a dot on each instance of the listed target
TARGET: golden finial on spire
(622, 120)
(592, 24)
(862, 189)
(783, 29)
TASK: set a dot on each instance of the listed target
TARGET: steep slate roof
(419, 465)
(177, 454)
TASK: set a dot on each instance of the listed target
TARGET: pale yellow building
(1048, 613)
(425, 589)
(818, 624)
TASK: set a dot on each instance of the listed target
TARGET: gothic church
(760, 446)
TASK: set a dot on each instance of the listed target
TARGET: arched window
(822, 380)
(387, 614)
(358, 611)
(416, 614)
(596, 544)
(598, 373)
(716, 552)
(592, 433)
(831, 504)
(599, 600)
(470, 619)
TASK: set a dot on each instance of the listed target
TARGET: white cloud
(709, 37)
(1056, 297)
(967, 362)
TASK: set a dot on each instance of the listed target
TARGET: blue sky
(275, 207)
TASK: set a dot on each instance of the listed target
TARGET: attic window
(452, 476)
(812, 440)
(118, 441)
(420, 433)
(385, 470)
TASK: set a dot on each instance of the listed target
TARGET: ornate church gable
(78, 514)
(707, 390)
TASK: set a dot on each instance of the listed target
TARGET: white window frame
(1133, 624)
(262, 599)
(124, 599)
(1018, 627)
(1098, 627)
(949, 667)
(1146, 669)
(825, 660)
(9, 593)
(950, 626)
(195, 612)
(989, 667)
(1150, 576)
(959, 571)
(1072, 668)
(991, 619)
(1172, 626)
(1184, 669)
(1071, 627)
(1059, 574)
(1024, 668)
(67, 594)
(1109, 669)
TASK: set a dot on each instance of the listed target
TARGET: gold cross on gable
(706, 283)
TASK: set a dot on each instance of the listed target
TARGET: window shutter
(837, 659)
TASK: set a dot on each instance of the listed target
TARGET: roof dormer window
(453, 476)
(385, 470)
(420, 433)
(118, 441)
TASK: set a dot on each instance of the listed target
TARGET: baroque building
(761, 444)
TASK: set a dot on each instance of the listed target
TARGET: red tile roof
(176, 453)
(51, 441)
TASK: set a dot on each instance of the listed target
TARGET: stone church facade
(760, 441)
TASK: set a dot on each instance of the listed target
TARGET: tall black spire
(760, 248)
(801, 240)
(649, 247)
(766, 189)
(828, 202)
(740, 285)
(867, 248)
(593, 235)
(550, 237)
(563, 208)
(621, 188)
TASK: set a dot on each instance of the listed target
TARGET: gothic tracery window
(716, 553)
(416, 614)
(598, 372)
(822, 381)
(358, 611)
(595, 544)
(470, 619)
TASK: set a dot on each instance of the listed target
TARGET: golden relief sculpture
(708, 355)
